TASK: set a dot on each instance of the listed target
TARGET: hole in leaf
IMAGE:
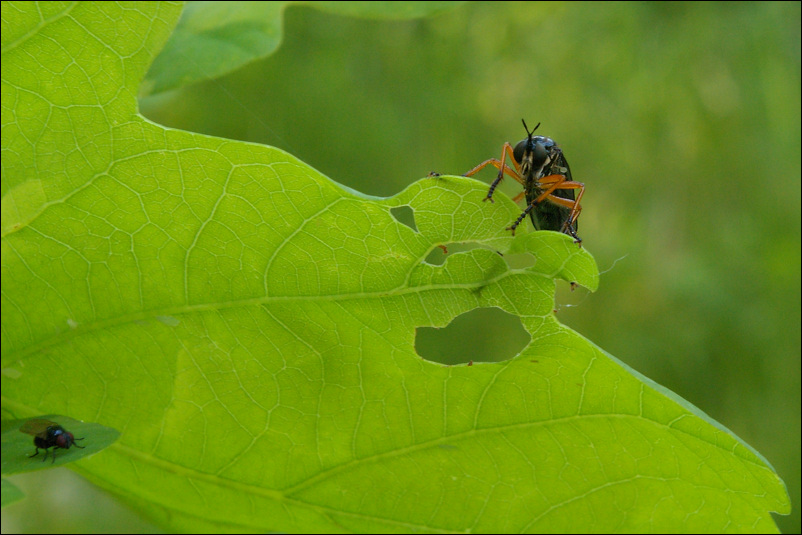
(404, 215)
(480, 335)
(437, 256)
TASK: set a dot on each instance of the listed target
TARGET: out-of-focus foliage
(215, 38)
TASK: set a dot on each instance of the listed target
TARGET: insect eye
(541, 152)
(518, 151)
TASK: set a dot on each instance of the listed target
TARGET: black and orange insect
(47, 434)
(540, 166)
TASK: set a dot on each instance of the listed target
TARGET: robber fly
(540, 166)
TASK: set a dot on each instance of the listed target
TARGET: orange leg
(576, 209)
(559, 182)
(502, 168)
(556, 182)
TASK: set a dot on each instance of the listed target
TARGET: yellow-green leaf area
(248, 325)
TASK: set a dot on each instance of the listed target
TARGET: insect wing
(560, 167)
(37, 427)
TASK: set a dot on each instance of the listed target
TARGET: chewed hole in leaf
(404, 215)
(438, 255)
(480, 335)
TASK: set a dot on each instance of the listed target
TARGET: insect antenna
(527, 129)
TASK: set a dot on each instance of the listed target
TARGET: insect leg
(520, 218)
(576, 209)
(559, 182)
(502, 168)
(556, 182)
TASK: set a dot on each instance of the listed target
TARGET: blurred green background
(682, 119)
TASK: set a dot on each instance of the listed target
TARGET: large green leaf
(249, 326)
